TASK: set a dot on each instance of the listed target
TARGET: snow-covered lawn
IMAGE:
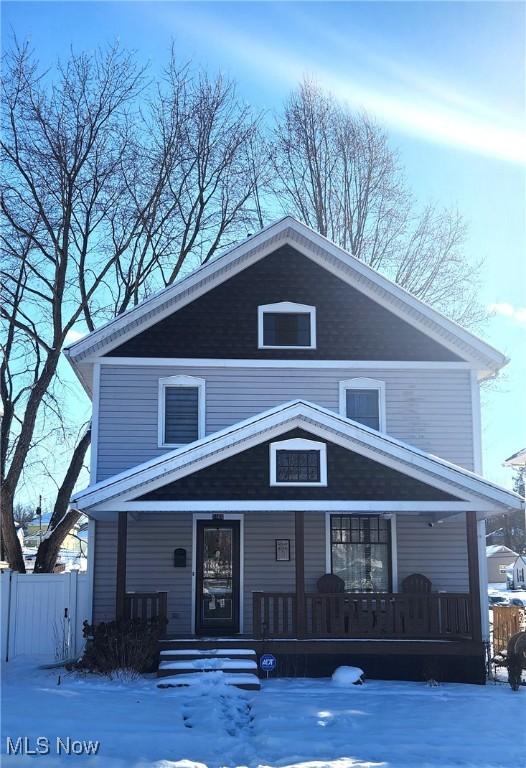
(312, 723)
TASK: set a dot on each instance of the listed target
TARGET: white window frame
(394, 543)
(180, 381)
(364, 383)
(299, 444)
(286, 307)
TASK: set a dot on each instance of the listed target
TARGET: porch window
(298, 462)
(286, 325)
(181, 410)
(361, 552)
(363, 400)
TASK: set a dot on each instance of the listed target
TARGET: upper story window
(181, 410)
(298, 462)
(286, 326)
(363, 400)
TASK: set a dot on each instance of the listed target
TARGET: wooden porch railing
(360, 615)
(145, 605)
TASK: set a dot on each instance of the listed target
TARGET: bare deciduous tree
(334, 169)
(102, 203)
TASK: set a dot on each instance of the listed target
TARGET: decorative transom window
(181, 410)
(286, 326)
(298, 462)
(361, 552)
(363, 400)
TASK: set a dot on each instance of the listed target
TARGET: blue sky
(446, 79)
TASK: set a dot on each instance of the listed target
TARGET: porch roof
(120, 492)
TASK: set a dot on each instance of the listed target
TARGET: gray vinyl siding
(149, 555)
(262, 572)
(430, 409)
(440, 553)
(150, 563)
(105, 571)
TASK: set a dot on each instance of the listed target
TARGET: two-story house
(286, 413)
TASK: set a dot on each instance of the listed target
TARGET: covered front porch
(266, 599)
(230, 537)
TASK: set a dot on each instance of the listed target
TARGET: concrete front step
(206, 665)
(246, 681)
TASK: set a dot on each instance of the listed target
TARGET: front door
(217, 577)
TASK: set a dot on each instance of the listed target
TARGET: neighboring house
(282, 413)
(517, 459)
(73, 553)
(516, 573)
(499, 558)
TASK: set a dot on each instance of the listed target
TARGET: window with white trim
(286, 325)
(181, 410)
(298, 462)
(361, 552)
(363, 400)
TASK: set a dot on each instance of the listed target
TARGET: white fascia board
(306, 240)
(149, 307)
(318, 420)
(420, 508)
(212, 362)
(396, 291)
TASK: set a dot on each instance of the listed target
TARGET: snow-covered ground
(308, 723)
(496, 588)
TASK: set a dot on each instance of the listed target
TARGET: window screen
(181, 415)
(297, 466)
(286, 329)
(361, 552)
(363, 406)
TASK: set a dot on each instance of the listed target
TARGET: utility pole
(38, 512)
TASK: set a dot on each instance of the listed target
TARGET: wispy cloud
(414, 104)
(72, 336)
(508, 310)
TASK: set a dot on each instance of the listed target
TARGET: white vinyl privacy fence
(42, 614)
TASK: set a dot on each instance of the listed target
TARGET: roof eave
(278, 418)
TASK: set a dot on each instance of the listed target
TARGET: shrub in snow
(127, 644)
(345, 676)
(125, 675)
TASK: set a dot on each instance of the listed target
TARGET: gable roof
(499, 549)
(313, 245)
(517, 459)
(120, 492)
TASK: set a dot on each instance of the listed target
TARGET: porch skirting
(416, 660)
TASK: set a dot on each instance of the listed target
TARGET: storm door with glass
(217, 577)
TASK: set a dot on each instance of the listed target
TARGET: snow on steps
(231, 653)
(247, 682)
(232, 666)
(208, 665)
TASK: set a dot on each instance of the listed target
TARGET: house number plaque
(282, 549)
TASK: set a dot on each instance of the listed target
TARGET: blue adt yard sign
(267, 663)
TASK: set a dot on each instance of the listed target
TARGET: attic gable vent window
(181, 410)
(286, 326)
(298, 462)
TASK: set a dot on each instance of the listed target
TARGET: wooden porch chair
(329, 584)
(418, 615)
(416, 584)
